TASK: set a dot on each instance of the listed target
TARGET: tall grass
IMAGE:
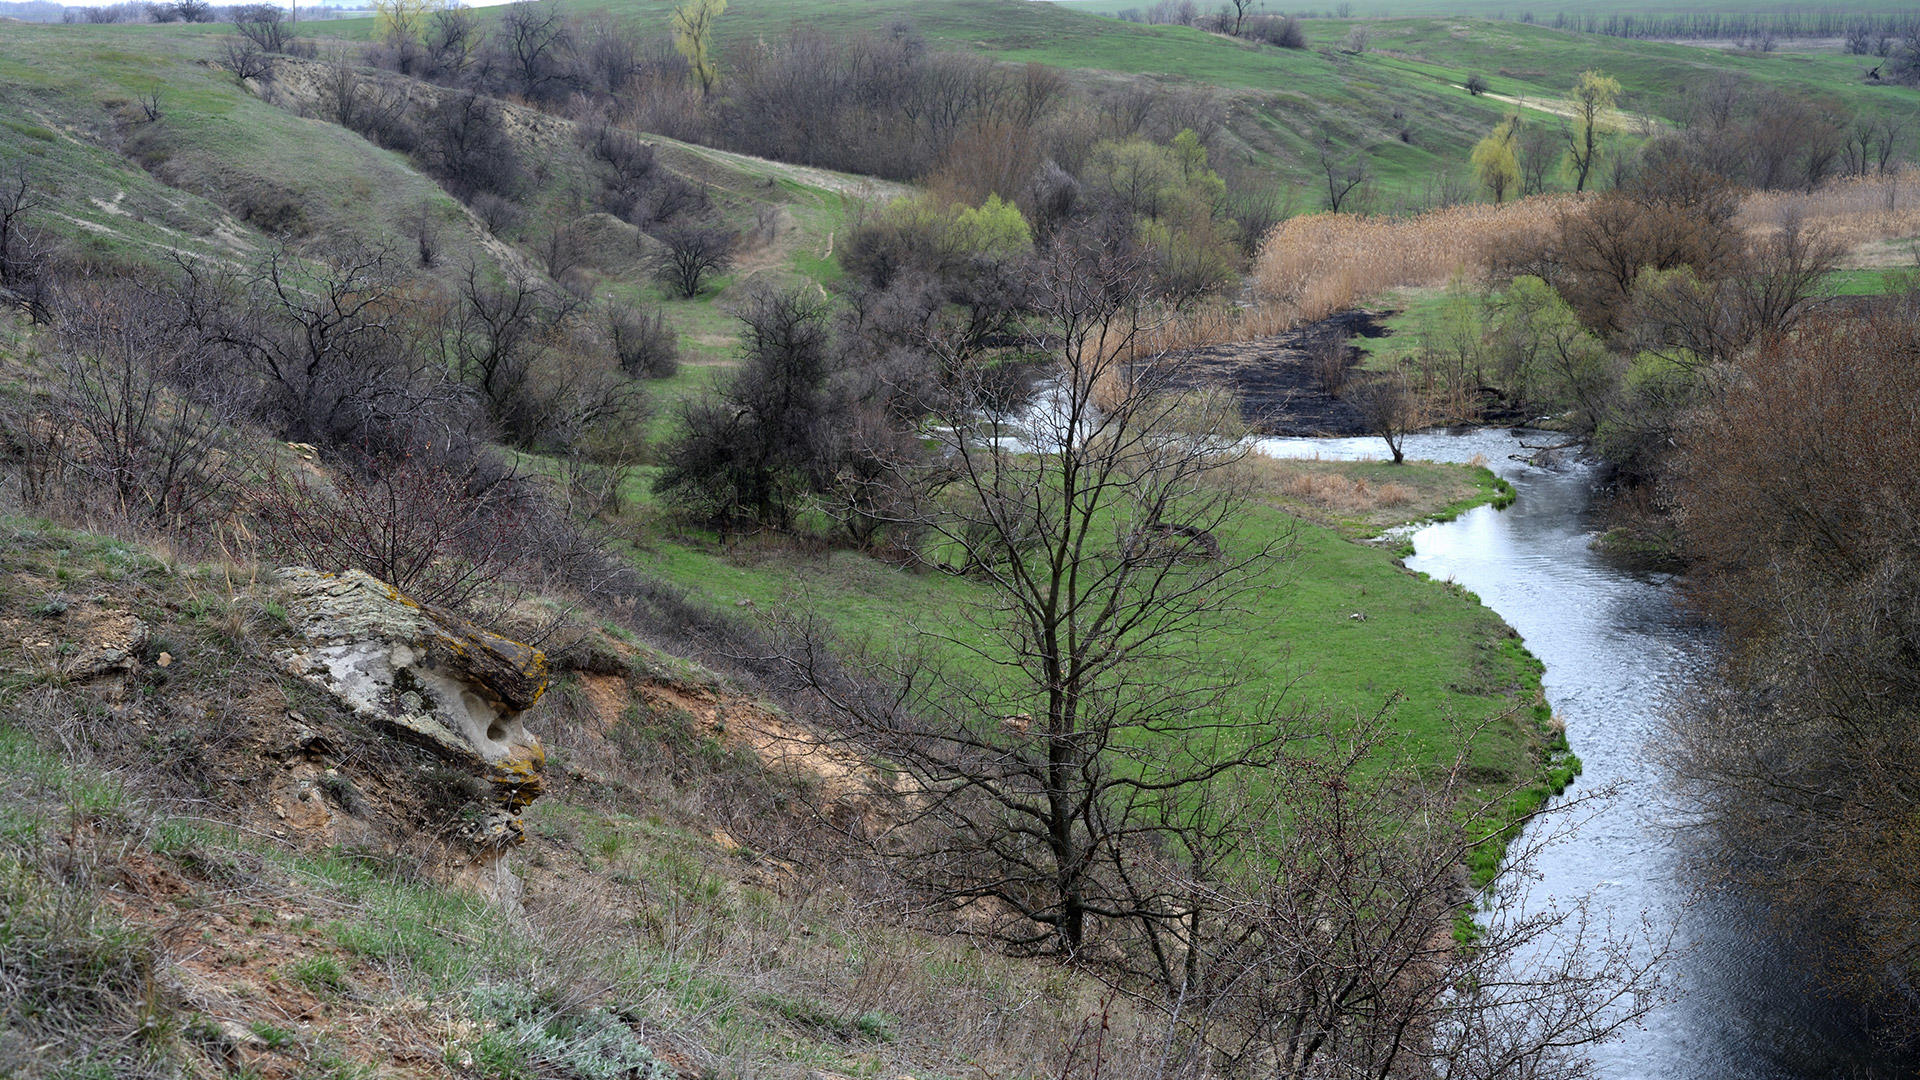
(1324, 263)
(1853, 212)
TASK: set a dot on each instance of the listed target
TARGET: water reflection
(1614, 644)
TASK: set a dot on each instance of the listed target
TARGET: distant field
(1400, 103)
(1545, 10)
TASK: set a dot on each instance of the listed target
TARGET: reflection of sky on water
(1614, 645)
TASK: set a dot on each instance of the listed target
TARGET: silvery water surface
(1615, 644)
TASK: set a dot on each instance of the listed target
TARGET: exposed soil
(1280, 393)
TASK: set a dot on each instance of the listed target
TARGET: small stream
(1614, 644)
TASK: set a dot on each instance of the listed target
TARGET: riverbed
(1615, 644)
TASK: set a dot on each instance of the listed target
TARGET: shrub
(642, 342)
(438, 536)
(1276, 30)
(692, 253)
(467, 149)
(749, 454)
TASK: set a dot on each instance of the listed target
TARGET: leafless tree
(1800, 510)
(1344, 175)
(157, 455)
(1331, 944)
(534, 40)
(1102, 523)
(265, 26)
(1392, 409)
(20, 199)
(453, 38)
(326, 348)
(246, 60)
(692, 253)
(1239, 10)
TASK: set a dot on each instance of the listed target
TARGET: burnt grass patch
(1280, 391)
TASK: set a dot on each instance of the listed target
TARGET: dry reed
(1313, 266)
(1854, 212)
(1322, 488)
(1325, 263)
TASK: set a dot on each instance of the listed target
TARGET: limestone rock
(425, 675)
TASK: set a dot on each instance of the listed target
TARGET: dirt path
(1615, 119)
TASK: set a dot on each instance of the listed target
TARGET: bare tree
(692, 253)
(1101, 522)
(1239, 9)
(156, 454)
(1331, 945)
(535, 44)
(19, 199)
(452, 40)
(265, 26)
(327, 351)
(245, 60)
(1344, 175)
(1392, 409)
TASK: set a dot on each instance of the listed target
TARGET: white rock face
(425, 675)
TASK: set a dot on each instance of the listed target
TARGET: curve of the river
(1615, 644)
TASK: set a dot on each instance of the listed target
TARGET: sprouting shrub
(320, 974)
(535, 1036)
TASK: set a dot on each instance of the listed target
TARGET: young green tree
(1494, 161)
(693, 37)
(1593, 94)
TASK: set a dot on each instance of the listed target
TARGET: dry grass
(1211, 324)
(1324, 263)
(1858, 213)
(1326, 486)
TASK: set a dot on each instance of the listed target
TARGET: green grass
(1451, 659)
(1286, 100)
(1874, 282)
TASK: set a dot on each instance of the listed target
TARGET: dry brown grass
(1325, 486)
(1324, 263)
(1211, 324)
(1860, 213)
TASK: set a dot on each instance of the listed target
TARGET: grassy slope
(68, 107)
(1288, 99)
(218, 153)
(1545, 10)
(154, 906)
(1454, 661)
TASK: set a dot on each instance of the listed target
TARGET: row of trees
(1750, 134)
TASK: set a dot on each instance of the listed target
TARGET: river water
(1739, 1004)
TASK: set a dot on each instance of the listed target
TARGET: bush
(1277, 30)
(438, 536)
(642, 342)
(750, 454)
(466, 147)
(692, 253)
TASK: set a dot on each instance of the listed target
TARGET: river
(1614, 644)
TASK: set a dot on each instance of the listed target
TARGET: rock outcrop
(428, 676)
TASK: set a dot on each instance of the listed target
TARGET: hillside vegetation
(929, 679)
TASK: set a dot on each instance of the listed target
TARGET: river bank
(1615, 646)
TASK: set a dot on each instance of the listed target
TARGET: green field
(1545, 10)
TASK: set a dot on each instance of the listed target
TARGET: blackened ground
(1279, 392)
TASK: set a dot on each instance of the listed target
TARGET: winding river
(1614, 643)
